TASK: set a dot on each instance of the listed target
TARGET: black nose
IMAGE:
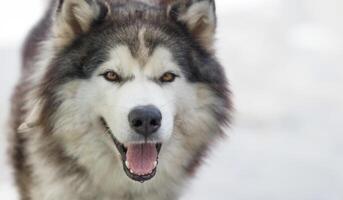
(145, 120)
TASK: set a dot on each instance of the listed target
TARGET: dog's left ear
(200, 18)
(75, 17)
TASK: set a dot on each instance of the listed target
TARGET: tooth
(155, 164)
(127, 163)
(131, 171)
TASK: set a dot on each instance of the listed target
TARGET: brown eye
(168, 77)
(112, 76)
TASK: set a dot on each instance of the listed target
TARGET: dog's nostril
(137, 123)
(154, 123)
(145, 120)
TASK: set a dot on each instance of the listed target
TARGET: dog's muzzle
(140, 160)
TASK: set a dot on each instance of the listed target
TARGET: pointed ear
(75, 17)
(200, 18)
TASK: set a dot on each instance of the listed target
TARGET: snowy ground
(285, 62)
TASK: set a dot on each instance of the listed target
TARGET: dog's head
(141, 72)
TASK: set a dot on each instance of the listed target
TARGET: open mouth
(139, 160)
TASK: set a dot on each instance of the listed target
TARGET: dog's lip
(122, 148)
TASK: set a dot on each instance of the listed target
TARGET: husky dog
(118, 100)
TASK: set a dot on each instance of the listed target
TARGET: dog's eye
(168, 77)
(112, 76)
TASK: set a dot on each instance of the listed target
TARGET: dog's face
(138, 103)
(142, 95)
(140, 74)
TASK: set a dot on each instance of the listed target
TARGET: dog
(117, 100)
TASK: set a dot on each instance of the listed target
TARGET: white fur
(141, 90)
(77, 129)
(187, 124)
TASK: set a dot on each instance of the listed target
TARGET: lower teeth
(127, 164)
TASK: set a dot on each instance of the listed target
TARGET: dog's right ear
(75, 17)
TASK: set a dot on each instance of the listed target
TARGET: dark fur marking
(86, 52)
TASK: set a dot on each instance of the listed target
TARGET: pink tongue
(141, 158)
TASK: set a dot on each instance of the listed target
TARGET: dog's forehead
(121, 59)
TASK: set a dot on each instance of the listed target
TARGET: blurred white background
(285, 62)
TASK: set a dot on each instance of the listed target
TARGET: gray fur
(117, 23)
